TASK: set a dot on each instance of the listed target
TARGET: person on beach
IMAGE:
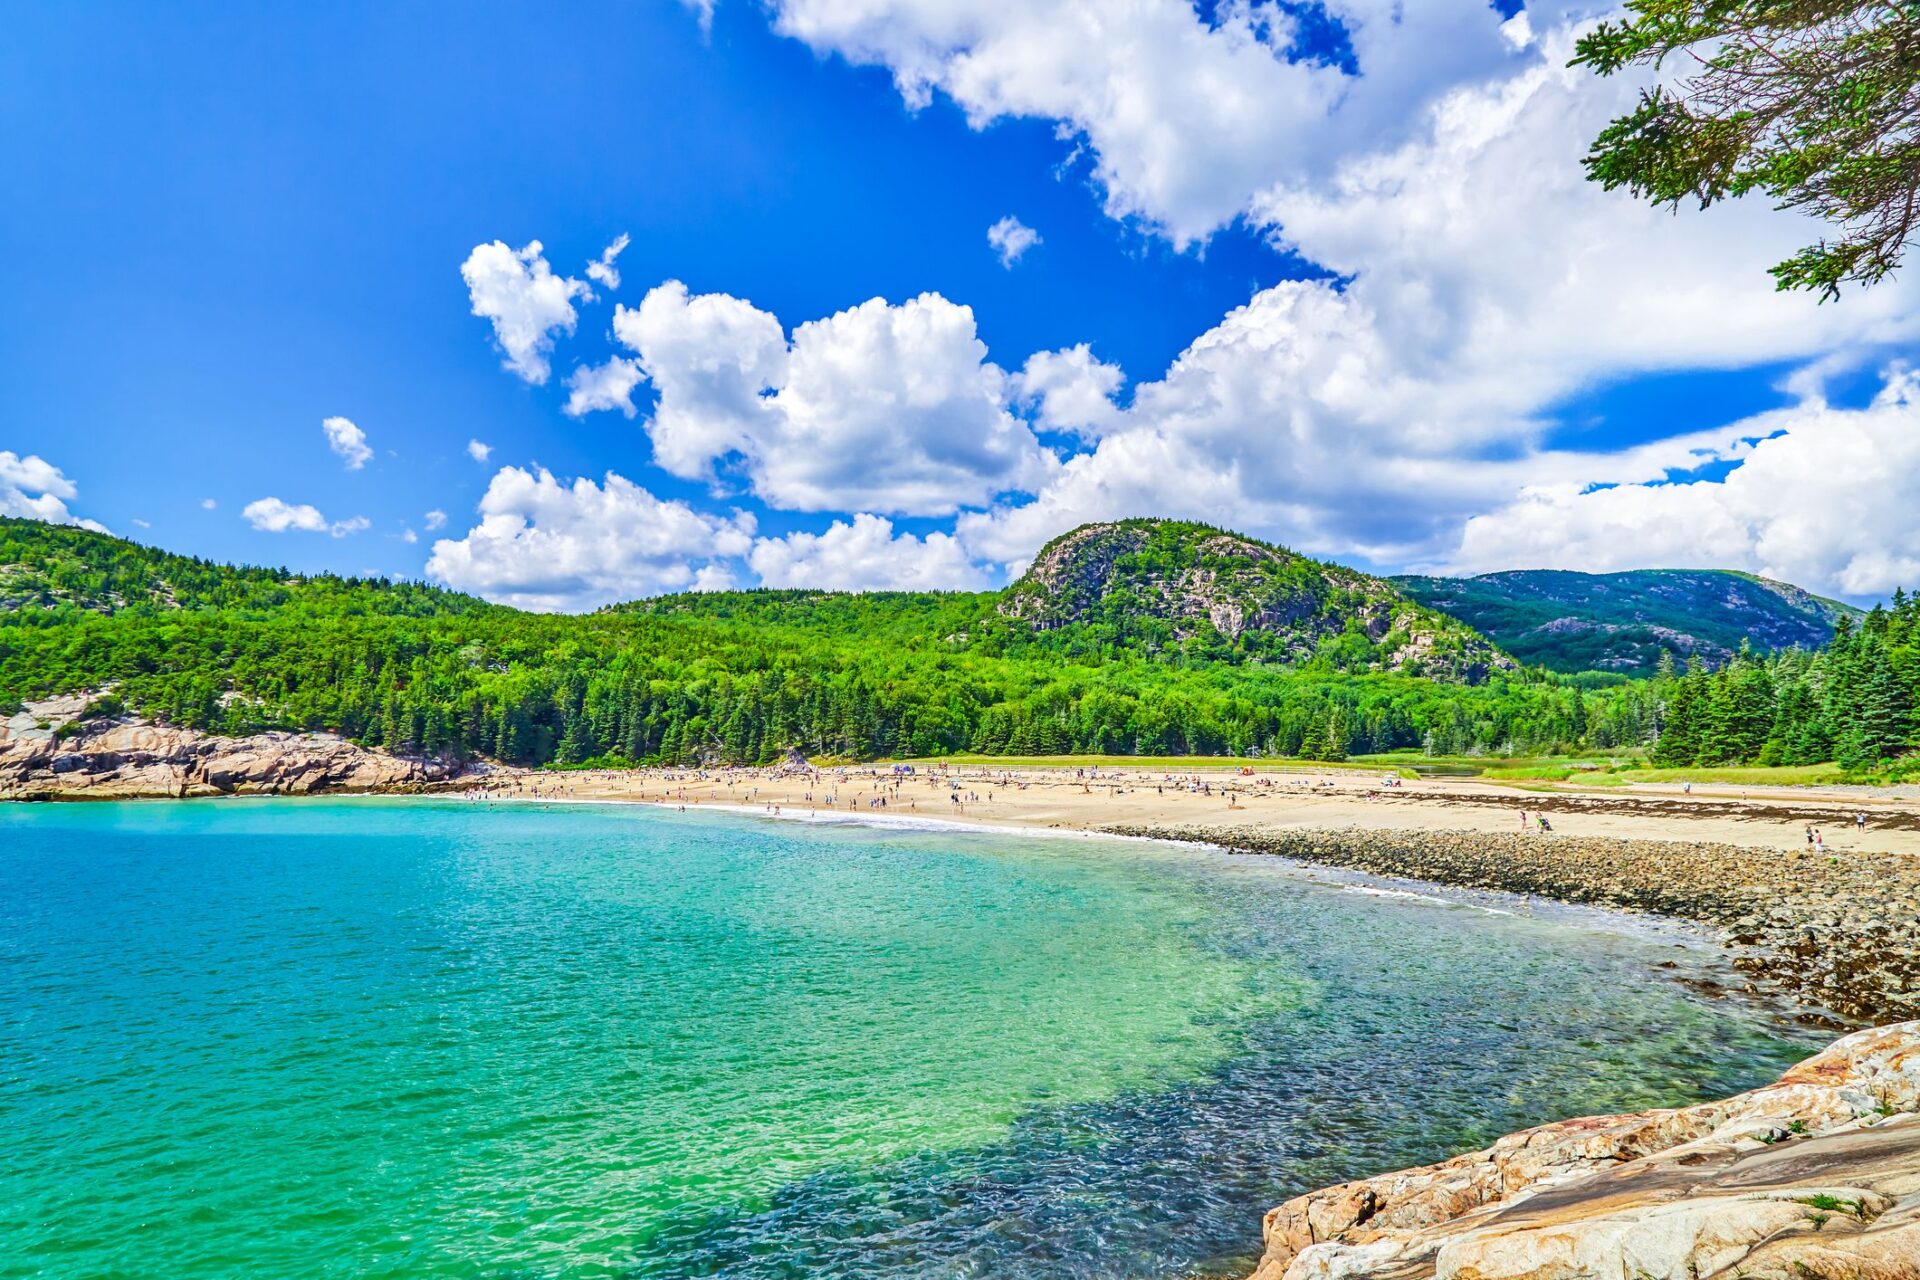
(1860, 822)
(1545, 826)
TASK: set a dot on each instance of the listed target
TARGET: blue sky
(231, 223)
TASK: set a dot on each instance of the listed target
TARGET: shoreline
(1833, 927)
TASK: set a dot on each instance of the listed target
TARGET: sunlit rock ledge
(1815, 1177)
(54, 749)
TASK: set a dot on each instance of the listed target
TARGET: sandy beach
(1092, 799)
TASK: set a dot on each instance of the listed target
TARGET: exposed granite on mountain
(1197, 578)
(1816, 1177)
(1841, 932)
(53, 750)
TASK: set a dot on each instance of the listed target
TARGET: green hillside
(1151, 658)
(47, 568)
(1163, 585)
(1623, 622)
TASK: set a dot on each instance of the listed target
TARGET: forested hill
(1164, 584)
(1623, 622)
(742, 676)
(50, 568)
(1162, 589)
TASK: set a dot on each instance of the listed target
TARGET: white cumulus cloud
(886, 408)
(1071, 391)
(478, 451)
(543, 543)
(436, 519)
(1823, 497)
(1185, 118)
(348, 441)
(1010, 238)
(31, 488)
(272, 515)
(528, 304)
(866, 555)
(603, 386)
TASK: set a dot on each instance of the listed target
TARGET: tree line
(1851, 702)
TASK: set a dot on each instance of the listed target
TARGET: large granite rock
(1816, 1177)
(47, 751)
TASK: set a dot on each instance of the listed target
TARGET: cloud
(1070, 391)
(1185, 118)
(604, 386)
(31, 488)
(479, 452)
(1791, 508)
(543, 543)
(436, 519)
(886, 408)
(347, 440)
(208, 504)
(1010, 238)
(866, 555)
(271, 515)
(601, 270)
(703, 11)
(527, 303)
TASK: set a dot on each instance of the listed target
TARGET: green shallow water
(370, 1038)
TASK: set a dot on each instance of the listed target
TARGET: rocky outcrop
(1273, 602)
(51, 750)
(1816, 1177)
(1842, 932)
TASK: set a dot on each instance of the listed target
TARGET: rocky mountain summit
(54, 749)
(1173, 581)
(1815, 1177)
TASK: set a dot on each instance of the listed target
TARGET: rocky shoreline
(1815, 1177)
(1839, 931)
(55, 750)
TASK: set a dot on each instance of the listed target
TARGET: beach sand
(1082, 798)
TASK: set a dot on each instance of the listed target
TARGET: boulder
(1816, 1175)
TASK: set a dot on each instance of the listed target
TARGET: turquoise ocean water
(416, 1039)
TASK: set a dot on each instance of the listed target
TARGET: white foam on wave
(1378, 891)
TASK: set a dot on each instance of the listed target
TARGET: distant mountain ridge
(1622, 622)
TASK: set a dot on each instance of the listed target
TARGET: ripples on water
(374, 1039)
